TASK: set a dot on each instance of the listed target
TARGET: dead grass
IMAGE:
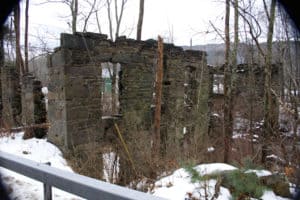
(86, 160)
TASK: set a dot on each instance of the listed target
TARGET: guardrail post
(47, 188)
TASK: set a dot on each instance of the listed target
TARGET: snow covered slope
(177, 186)
(39, 150)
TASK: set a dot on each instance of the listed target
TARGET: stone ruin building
(248, 101)
(73, 75)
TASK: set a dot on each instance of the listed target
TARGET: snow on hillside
(177, 186)
(38, 150)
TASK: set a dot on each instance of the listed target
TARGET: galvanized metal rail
(82, 186)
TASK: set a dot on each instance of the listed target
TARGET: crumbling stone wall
(57, 99)
(27, 100)
(75, 88)
(23, 101)
(248, 102)
(11, 98)
(137, 61)
(75, 84)
(74, 93)
(34, 115)
(251, 89)
(185, 98)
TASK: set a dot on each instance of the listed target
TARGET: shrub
(243, 185)
(195, 176)
(205, 190)
(240, 184)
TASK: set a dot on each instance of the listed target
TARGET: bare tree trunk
(119, 17)
(10, 46)
(114, 89)
(289, 73)
(140, 21)
(252, 95)
(19, 60)
(98, 22)
(2, 57)
(108, 2)
(158, 95)
(227, 127)
(230, 73)
(235, 47)
(1, 47)
(296, 95)
(74, 11)
(26, 36)
(269, 121)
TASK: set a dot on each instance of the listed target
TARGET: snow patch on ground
(213, 168)
(272, 156)
(270, 195)
(38, 150)
(179, 186)
(210, 149)
(111, 165)
(259, 173)
(182, 188)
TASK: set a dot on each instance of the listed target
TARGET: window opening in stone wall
(110, 88)
(189, 96)
(218, 86)
(189, 85)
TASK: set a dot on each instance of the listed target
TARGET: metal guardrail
(82, 186)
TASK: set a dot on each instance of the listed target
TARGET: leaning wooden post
(158, 95)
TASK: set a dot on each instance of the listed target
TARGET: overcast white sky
(184, 19)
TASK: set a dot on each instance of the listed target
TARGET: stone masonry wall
(250, 92)
(74, 97)
(34, 114)
(185, 99)
(57, 98)
(27, 100)
(75, 88)
(11, 99)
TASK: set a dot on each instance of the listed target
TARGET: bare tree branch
(244, 14)
(119, 18)
(89, 15)
(98, 22)
(266, 10)
(217, 31)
